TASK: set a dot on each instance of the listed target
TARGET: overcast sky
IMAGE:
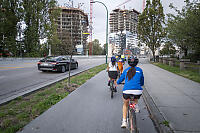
(99, 12)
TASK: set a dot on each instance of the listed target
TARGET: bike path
(176, 98)
(89, 109)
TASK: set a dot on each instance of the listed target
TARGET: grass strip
(185, 73)
(15, 114)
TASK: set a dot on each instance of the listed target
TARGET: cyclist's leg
(109, 75)
(126, 99)
(136, 97)
(136, 101)
(125, 109)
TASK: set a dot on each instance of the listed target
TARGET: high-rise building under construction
(75, 22)
(123, 30)
(123, 20)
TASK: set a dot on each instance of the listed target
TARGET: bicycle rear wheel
(111, 88)
(133, 123)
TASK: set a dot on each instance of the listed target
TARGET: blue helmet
(113, 59)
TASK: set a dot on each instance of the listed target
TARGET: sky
(99, 12)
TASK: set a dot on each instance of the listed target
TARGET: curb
(156, 114)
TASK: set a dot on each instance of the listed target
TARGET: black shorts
(128, 96)
(113, 74)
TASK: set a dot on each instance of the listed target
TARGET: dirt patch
(70, 88)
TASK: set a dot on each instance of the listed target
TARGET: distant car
(142, 56)
(56, 63)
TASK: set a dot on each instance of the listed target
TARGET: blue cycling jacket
(135, 83)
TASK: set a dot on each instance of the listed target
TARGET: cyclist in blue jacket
(134, 79)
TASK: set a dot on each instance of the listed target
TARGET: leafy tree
(53, 40)
(97, 49)
(36, 18)
(9, 17)
(150, 25)
(183, 29)
(104, 49)
(168, 49)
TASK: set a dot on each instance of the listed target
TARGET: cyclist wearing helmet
(134, 79)
(123, 59)
(120, 65)
(112, 70)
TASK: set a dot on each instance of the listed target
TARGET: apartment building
(123, 30)
(75, 22)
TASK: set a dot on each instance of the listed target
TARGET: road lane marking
(9, 67)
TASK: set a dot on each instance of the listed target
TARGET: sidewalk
(89, 109)
(172, 98)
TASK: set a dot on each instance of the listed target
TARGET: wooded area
(24, 24)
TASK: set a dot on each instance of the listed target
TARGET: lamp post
(106, 28)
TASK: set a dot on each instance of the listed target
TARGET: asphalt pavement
(20, 77)
(174, 103)
(89, 109)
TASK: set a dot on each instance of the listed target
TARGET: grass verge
(15, 114)
(186, 73)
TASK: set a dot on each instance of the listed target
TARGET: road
(89, 109)
(20, 77)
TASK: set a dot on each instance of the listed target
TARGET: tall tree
(104, 49)
(97, 49)
(183, 29)
(53, 40)
(9, 17)
(150, 25)
(37, 20)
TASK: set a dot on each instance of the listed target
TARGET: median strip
(15, 114)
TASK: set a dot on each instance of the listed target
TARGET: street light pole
(106, 28)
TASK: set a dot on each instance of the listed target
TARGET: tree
(53, 40)
(150, 25)
(97, 49)
(168, 49)
(183, 29)
(9, 17)
(36, 18)
(104, 49)
(24, 23)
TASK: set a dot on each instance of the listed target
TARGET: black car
(56, 63)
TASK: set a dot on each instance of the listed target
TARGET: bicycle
(131, 116)
(112, 87)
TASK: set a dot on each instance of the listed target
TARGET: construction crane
(143, 5)
(123, 3)
(90, 29)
